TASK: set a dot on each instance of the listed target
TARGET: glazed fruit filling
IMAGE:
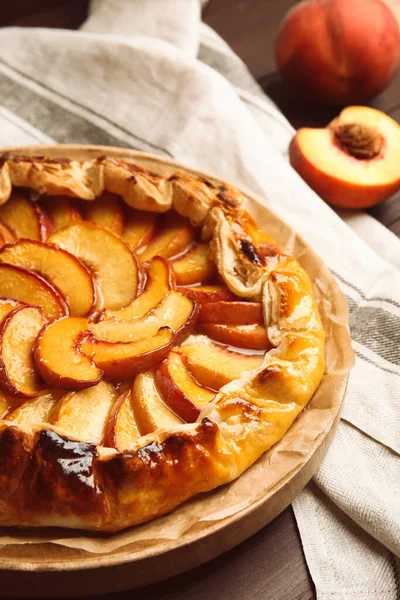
(114, 322)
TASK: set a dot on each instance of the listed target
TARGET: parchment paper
(273, 469)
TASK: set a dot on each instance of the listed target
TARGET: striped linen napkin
(147, 74)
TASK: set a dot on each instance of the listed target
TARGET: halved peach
(159, 282)
(36, 410)
(139, 227)
(236, 313)
(207, 293)
(174, 235)
(58, 357)
(353, 163)
(107, 211)
(194, 266)
(180, 390)
(20, 284)
(214, 365)
(62, 210)
(113, 264)
(5, 235)
(175, 310)
(253, 337)
(149, 408)
(122, 428)
(24, 218)
(85, 414)
(124, 360)
(18, 334)
(67, 273)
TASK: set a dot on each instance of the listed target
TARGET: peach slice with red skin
(172, 238)
(36, 410)
(18, 333)
(180, 390)
(5, 235)
(24, 218)
(213, 365)
(353, 163)
(123, 360)
(139, 227)
(61, 210)
(253, 337)
(194, 266)
(107, 211)
(149, 408)
(58, 357)
(159, 281)
(207, 293)
(122, 429)
(85, 414)
(26, 286)
(108, 257)
(236, 313)
(63, 270)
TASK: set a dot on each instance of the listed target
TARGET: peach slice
(124, 360)
(194, 266)
(253, 336)
(25, 219)
(6, 306)
(58, 357)
(353, 163)
(207, 293)
(122, 429)
(20, 284)
(5, 235)
(174, 236)
(107, 211)
(180, 390)
(85, 414)
(175, 310)
(18, 334)
(62, 210)
(236, 313)
(214, 365)
(139, 227)
(159, 282)
(36, 410)
(59, 267)
(149, 408)
(114, 265)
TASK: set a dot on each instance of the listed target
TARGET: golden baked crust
(49, 479)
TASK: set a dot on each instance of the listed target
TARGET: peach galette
(154, 342)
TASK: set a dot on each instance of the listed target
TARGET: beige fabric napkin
(147, 74)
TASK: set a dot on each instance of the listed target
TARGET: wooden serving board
(43, 569)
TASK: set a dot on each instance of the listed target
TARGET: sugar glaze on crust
(49, 479)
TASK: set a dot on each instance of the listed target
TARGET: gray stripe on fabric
(361, 293)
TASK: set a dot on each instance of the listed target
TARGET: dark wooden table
(270, 565)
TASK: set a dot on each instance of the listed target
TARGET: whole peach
(339, 51)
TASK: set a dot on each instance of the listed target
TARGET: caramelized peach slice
(109, 258)
(7, 404)
(124, 360)
(353, 163)
(179, 388)
(139, 227)
(36, 410)
(107, 211)
(175, 310)
(25, 219)
(236, 313)
(18, 334)
(194, 266)
(122, 429)
(58, 357)
(149, 408)
(254, 336)
(6, 306)
(159, 282)
(214, 365)
(174, 236)
(84, 414)
(5, 235)
(62, 211)
(207, 293)
(23, 285)
(59, 267)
